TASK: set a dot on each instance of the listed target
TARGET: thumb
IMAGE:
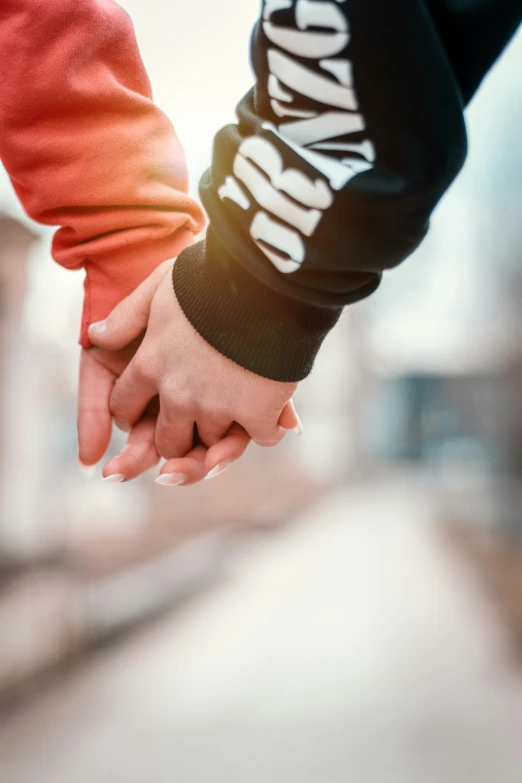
(289, 419)
(130, 317)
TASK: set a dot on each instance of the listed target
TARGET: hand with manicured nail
(199, 463)
(195, 385)
(99, 371)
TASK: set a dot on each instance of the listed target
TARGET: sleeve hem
(258, 328)
(112, 277)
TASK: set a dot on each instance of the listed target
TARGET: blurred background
(346, 607)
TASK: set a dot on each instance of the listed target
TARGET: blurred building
(80, 559)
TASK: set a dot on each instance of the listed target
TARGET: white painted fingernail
(298, 429)
(99, 327)
(116, 478)
(87, 471)
(219, 469)
(172, 479)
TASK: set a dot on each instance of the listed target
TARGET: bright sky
(197, 57)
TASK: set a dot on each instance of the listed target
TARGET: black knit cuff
(258, 328)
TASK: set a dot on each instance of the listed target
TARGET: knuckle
(266, 438)
(178, 400)
(144, 366)
(132, 310)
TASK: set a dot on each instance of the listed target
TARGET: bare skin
(160, 380)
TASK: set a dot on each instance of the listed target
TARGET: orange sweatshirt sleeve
(85, 147)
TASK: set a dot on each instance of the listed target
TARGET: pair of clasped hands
(179, 399)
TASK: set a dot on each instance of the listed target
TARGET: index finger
(94, 419)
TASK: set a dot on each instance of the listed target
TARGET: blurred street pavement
(353, 645)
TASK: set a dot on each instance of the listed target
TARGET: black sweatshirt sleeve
(353, 132)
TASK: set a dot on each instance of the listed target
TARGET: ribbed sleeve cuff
(258, 328)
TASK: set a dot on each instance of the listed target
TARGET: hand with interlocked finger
(179, 397)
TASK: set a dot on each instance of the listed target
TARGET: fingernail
(172, 479)
(87, 471)
(298, 429)
(99, 327)
(116, 478)
(219, 469)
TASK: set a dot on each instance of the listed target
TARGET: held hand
(200, 462)
(99, 370)
(195, 383)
